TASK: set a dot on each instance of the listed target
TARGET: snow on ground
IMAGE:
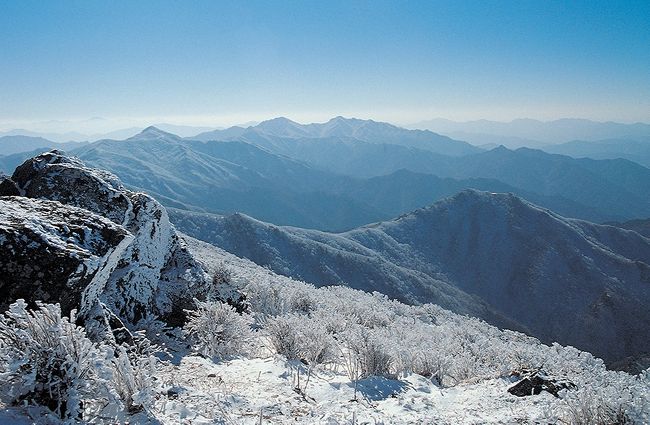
(198, 391)
(260, 387)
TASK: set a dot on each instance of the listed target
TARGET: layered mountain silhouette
(363, 130)
(327, 173)
(633, 149)
(531, 132)
(559, 279)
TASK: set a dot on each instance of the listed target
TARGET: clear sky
(218, 62)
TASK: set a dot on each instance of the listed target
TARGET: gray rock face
(78, 237)
(535, 381)
(7, 186)
(60, 178)
(51, 251)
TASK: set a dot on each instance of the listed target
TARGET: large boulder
(54, 252)
(100, 247)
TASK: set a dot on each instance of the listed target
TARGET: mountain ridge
(596, 277)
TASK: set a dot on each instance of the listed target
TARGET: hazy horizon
(98, 126)
(219, 64)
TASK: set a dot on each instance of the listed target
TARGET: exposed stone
(8, 187)
(90, 244)
(71, 244)
(533, 382)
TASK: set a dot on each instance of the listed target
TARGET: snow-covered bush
(221, 275)
(366, 352)
(587, 409)
(421, 351)
(132, 378)
(283, 335)
(615, 398)
(273, 300)
(368, 311)
(217, 330)
(298, 337)
(47, 360)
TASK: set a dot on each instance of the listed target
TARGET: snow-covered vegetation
(305, 354)
(46, 360)
(202, 337)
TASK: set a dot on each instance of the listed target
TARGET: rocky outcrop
(78, 237)
(533, 382)
(7, 186)
(53, 252)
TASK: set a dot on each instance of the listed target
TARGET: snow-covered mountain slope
(364, 130)
(292, 353)
(642, 227)
(82, 230)
(330, 259)
(477, 360)
(559, 279)
(379, 361)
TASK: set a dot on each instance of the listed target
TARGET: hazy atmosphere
(333, 212)
(224, 63)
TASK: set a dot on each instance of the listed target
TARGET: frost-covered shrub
(217, 330)
(221, 275)
(317, 346)
(275, 300)
(301, 338)
(422, 351)
(366, 352)
(283, 335)
(614, 398)
(301, 302)
(367, 310)
(132, 378)
(585, 409)
(47, 360)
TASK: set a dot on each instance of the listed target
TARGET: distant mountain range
(10, 145)
(534, 133)
(492, 255)
(91, 136)
(323, 176)
(637, 150)
(361, 130)
(241, 176)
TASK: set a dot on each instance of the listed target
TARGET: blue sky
(213, 62)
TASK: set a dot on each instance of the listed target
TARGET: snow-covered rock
(121, 254)
(53, 252)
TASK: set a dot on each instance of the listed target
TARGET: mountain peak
(472, 199)
(277, 122)
(281, 126)
(153, 132)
